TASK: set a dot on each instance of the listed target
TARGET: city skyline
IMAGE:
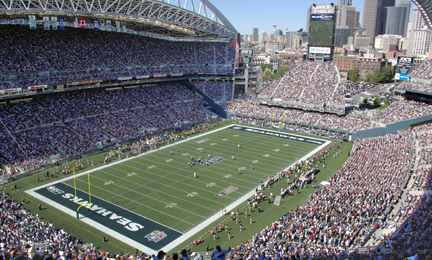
(290, 15)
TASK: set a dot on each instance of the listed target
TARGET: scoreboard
(404, 67)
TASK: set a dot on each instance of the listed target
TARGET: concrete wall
(389, 129)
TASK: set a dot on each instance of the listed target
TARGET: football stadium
(138, 130)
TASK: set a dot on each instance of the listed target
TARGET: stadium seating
(74, 123)
(60, 125)
(424, 71)
(344, 214)
(35, 57)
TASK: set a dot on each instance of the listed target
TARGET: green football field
(153, 201)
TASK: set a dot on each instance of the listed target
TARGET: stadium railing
(288, 123)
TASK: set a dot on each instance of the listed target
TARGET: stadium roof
(425, 7)
(174, 18)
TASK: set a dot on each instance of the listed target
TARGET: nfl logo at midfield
(156, 236)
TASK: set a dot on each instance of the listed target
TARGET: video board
(321, 30)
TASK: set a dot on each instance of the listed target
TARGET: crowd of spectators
(73, 123)
(19, 227)
(400, 111)
(35, 57)
(308, 83)
(344, 215)
(352, 88)
(352, 122)
(216, 90)
(423, 71)
(416, 86)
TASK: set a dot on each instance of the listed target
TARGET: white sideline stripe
(131, 242)
(229, 208)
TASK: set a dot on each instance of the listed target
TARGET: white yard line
(179, 240)
(171, 186)
(181, 175)
(229, 208)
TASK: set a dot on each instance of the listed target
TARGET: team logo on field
(217, 159)
(202, 141)
(237, 127)
(156, 236)
(55, 190)
(226, 191)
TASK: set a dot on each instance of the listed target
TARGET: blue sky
(262, 14)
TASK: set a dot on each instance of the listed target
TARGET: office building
(290, 38)
(373, 17)
(342, 35)
(357, 20)
(278, 32)
(348, 17)
(419, 42)
(262, 37)
(396, 18)
(406, 4)
(344, 3)
(420, 37)
(254, 34)
(387, 42)
(362, 40)
(417, 21)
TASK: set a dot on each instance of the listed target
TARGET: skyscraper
(396, 21)
(254, 34)
(344, 2)
(340, 17)
(373, 17)
(308, 13)
(357, 19)
(262, 37)
(407, 5)
(348, 16)
(417, 21)
(290, 38)
(420, 37)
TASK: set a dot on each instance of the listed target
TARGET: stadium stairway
(217, 108)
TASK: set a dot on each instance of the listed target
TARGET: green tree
(377, 103)
(365, 102)
(354, 74)
(387, 102)
(386, 73)
(374, 77)
(265, 66)
(280, 72)
(267, 74)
